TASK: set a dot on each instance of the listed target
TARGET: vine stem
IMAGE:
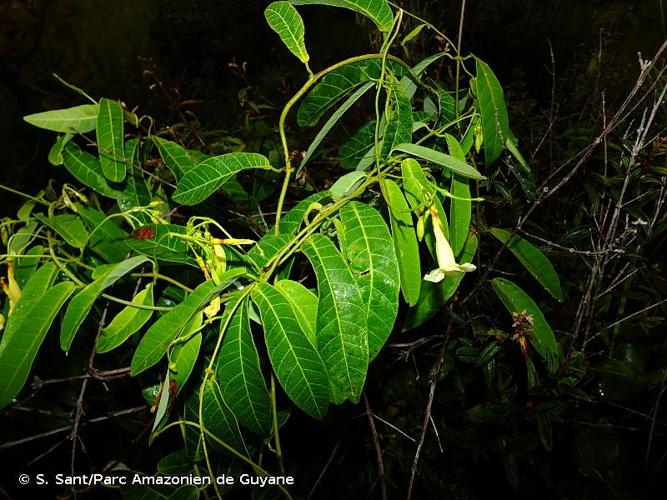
(276, 434)
(458, 55)
(312, 80)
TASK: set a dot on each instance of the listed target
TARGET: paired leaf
(535, 262)
(81, 304)
(110, 140)
(239, 373)
(127, 322)
(342, 337)
(495, 122)
(405, 242)
(377, 11)
(369, 250)
(286, 21)
(79, 119)
(297, 364)
(517, 301)
(441, 159)
(203, 180)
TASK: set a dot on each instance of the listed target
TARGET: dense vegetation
(395, 278)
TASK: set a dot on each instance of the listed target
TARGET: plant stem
(458, 56)
(276, 434)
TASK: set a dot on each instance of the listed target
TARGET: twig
(378, 448)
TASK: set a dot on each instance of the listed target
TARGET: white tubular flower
(447, 266)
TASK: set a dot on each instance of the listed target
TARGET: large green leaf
(162, 242)
(377, 11)
(68, 226)
(405, 241)
(535, 262)
(19, 349)
(184, 356)
(110, 140)
(459, 209)
(296, 362)
(26, 265)
(495, 122)
(127, 322)
(86, 169)
(441, 159)
(239, 373)
(370, 252)
(203, 180)
(433, 296)
(286, 21)
(167, 328)
(397, 115)
(355, 148)
(175, 157)
(81, 304)
(106, 237)
(517, 301)
(304, 303)
(342, 337)
(79, 119)
(333, 119)
(337, 84)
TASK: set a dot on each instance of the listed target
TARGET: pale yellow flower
(447, 265)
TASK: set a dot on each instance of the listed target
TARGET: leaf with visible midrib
(127, 322)
(370, 252)
(286, 21)
(495, 122)
(110, 140)
(85, 168)
(342, 338)
(535, 262)
(164, 331)
(405, 242)
(79, 119)
(446, 161)
(239, 373)
(297, 364)
(517, 301)
(175, 157)
(459, 209)
(20, 349)
(164, 243)
(80, 305)
(207, 177)
(377, 11)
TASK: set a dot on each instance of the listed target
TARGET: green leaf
(286, 21)
(127, 322)
(21, 238)
(184, 356)
(110, 140)
(333, 119)
(405, 242)
(81, 304)
(86, 169)
(162, 242)
(346, 184)
(239, 373)
(517, 301)
(68, 226)
(296, 362)
(535, 262)
(495, 122)
(267, 248)
(175, 157)
(293, 219)
(106, 238)
(218, 418)
(26, 265)
(433, 296)
(441, 159)
(355, 148)
(79, 119)
(421, 192)
(342, 338)
(202, 181)
(370, 252)
(398, 116)
(304, 303)
(19, 349)
(56, 152)
(169, 327)
(377, 11)
(337, 84)
(459, 210)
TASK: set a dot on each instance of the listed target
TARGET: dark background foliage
(207, 63)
